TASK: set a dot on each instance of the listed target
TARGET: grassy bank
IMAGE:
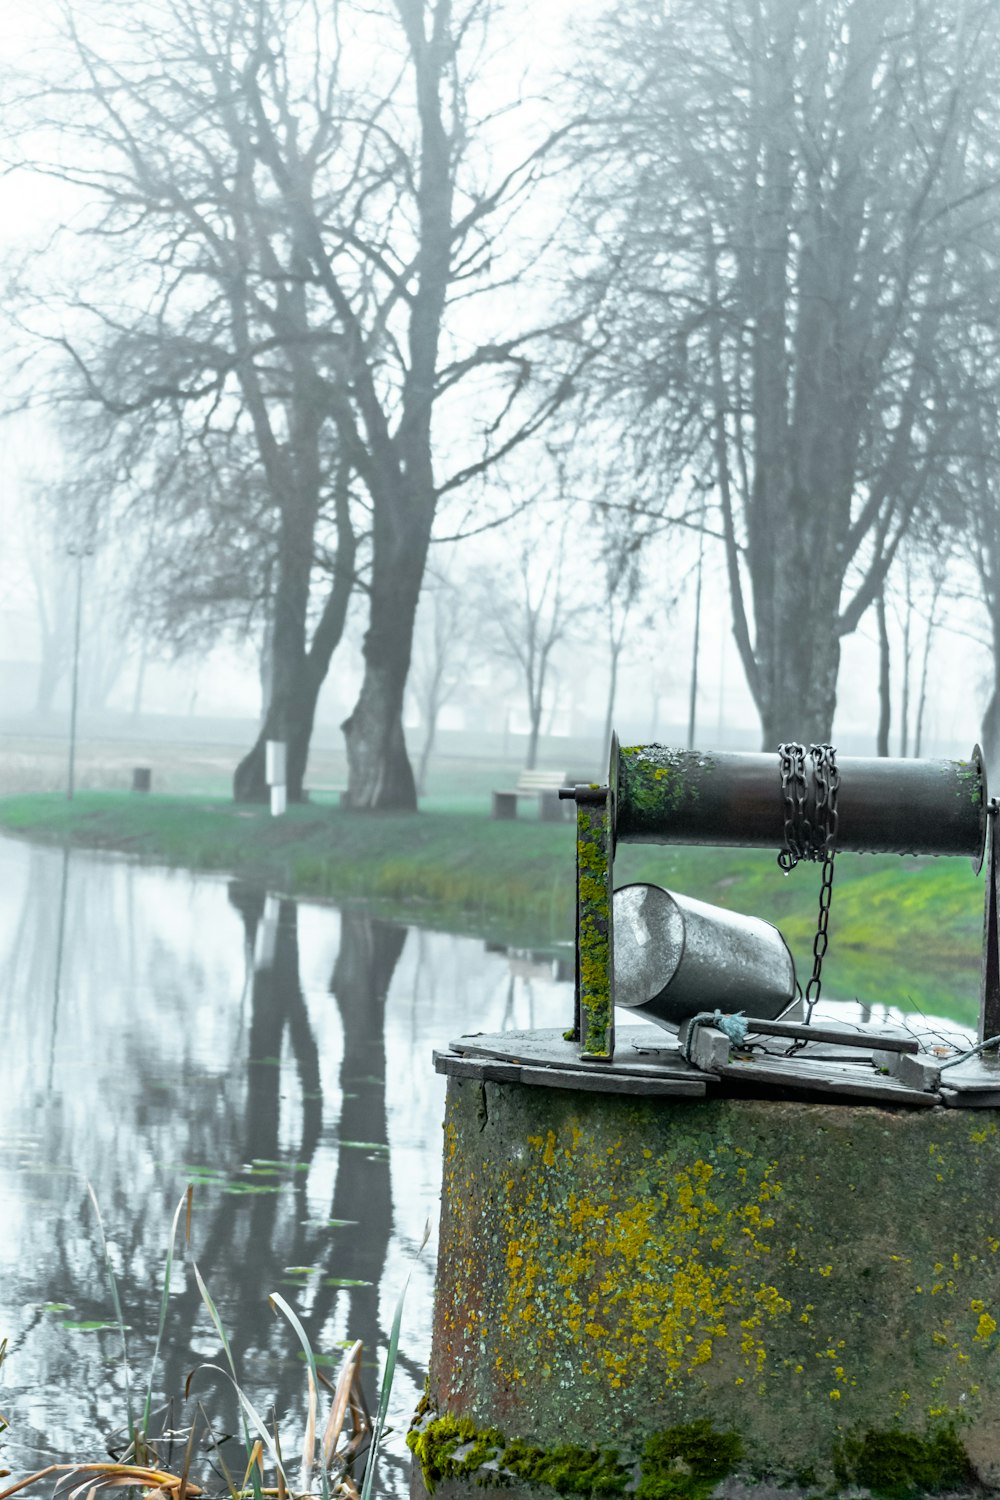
(903, 932)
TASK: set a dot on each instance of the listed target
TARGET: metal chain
(816, 841)
(793, 786)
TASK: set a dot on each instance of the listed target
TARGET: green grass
(903, 932)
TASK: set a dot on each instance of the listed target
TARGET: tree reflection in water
(159, 1028)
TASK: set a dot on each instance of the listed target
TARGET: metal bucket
(675, 956)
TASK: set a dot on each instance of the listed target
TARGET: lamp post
(78, 552)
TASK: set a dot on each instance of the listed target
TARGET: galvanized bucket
(675, 956)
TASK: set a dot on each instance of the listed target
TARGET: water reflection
(159, 1029)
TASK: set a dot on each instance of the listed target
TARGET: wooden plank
(474, 1067)
(843, 1080)
(958, 1100)
(921, 1072)
(550, 1048)
(591, 1080)
(710, 1048)
(975, 1075)
(597, 1080)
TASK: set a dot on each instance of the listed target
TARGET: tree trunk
(884, 681)
(379, 774)
(369, 952)
(430, 733)
(799, 657)
(50, 673)
(609, 712)
(990, 731)
(904, 712)
(289, 717)
(531, 758)
(140, 679)
(297, 674)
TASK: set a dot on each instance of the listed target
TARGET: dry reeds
(332, 1448)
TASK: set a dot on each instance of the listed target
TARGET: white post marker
(267, 934)
(275, 760)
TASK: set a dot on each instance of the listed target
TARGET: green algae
(593, 884)
(970, 776)
(567, 1469)
(451, 1447)
(897, 1465)
(687, 1462)
(655, 783)
(680, 1463)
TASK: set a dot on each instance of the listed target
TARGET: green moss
(682, 1463)
(453, 1447)
(686, 1463)
(436, 1444)
(567, 1469)
(593, 856)
(654, 782)
(970, 781)
(896, 1464)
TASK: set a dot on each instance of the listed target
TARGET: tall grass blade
(309, 1444)
(246, 1406)
(341, 1401)
(116, 1304)
(184, 1488)
(164, 1302)
(255, 1461)
(282, 1492)
(251, 1418)
(387, 1378)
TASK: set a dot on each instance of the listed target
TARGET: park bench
(541, 784)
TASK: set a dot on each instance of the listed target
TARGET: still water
(159, 1029)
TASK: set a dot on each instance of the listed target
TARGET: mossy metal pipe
(594, 1017)
(668, 796)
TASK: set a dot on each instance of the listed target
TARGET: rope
(735, 1027)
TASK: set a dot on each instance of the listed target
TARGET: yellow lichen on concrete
(636, 1277)
(733, 1260)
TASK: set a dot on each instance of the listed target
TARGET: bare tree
(446, 647)
(302, 199)
(412, 237)
(196, 338)
(622, 578)
(790, 200)
(884, 678)
(529, 610)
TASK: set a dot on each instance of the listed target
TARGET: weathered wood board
(550, 1048)
(488, 1067)
(647, 1064)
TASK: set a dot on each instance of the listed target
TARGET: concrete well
(748, 1292)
